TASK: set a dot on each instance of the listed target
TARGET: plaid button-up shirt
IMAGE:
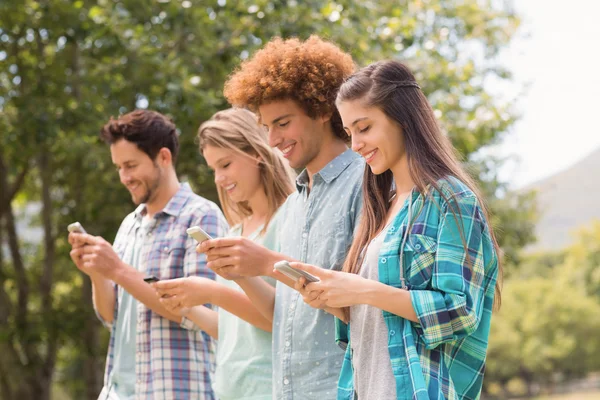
(173, 361)
(443, 355)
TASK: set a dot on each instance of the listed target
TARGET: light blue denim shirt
(315, 228)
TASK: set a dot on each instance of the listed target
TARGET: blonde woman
(252, 181)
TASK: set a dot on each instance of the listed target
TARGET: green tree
(547, 330)
(66, 66)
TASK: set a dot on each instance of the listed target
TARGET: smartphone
(150, 279)
(285, 268)
(76, 227)
(197, 233)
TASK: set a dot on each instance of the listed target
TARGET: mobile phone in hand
(76, 227)
(198, 233)
(293, 273)
(150, 279)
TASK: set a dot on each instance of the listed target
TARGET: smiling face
(299, 137)
(137, 171)
(236, 174)
(374, 136)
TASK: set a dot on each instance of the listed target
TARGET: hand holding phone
(150, 279)
(76, 227)
(293, 273)
(198, 233)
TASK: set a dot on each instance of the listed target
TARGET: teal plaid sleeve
(453, 307)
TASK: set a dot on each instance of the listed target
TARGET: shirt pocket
(420, 251)
(167, 258)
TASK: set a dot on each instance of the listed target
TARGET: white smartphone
(293, 273)
(76, 227)
(197, 233)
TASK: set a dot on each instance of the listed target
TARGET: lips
(287, 150)
(229, 188)
(370, 155)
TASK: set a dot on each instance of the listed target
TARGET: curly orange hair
(308, 72)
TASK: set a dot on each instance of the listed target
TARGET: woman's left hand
(337, 289)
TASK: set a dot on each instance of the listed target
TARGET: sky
(557, 54)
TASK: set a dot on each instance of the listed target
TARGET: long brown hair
(391, 87)
(238, 130)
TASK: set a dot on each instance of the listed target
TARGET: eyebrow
(220, 160)
(356, 121)
(276, 120)
(124, 162)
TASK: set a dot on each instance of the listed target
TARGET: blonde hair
(237, 129)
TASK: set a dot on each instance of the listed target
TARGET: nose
(274, 138)
(219, 177)
(124, 177)
(357, 144)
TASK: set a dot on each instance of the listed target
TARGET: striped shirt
(443, 355)
(173, 361)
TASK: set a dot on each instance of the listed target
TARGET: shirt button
(418, 246)
(292, 307)
(304, 235)
(286, 381)
(287, 344)
(165, 249)
(392, 332)
(383, 260)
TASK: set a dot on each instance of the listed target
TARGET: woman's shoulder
(450, 188)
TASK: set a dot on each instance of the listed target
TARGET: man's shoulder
(197, 204)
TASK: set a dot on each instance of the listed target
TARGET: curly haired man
(292, 85)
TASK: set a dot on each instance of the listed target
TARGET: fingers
(169, 284)
(75, 239)
(311, 269)
(221, 262)
(172, 304)
(168, 292)
(299, 285)
(215, 243)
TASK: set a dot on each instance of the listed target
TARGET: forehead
(123, 151)
(352, 110)
(275, 109)
(213, 154)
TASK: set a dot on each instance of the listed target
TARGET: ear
(325, 118)
(164, 157)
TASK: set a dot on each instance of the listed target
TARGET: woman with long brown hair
(420, 280)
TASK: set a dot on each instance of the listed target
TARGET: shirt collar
(331, 171)
(175, 204)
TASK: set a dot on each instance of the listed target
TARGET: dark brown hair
(391, 87)
(308, 72)
(149, 130)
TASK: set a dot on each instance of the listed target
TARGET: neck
(402, 178)
(259, 205)
(164, 194)
(330, 149)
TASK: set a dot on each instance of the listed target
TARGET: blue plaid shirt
(443, 355)
(173, 361)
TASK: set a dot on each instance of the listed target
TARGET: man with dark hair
(153, 354)
(292, 85)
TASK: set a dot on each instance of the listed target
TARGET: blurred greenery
(546, 333)
(67, 66)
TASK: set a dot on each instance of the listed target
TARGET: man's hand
(236, 257)
(96, 256)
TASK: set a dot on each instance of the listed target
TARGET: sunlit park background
(67, 66)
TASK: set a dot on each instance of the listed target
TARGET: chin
(377, 170)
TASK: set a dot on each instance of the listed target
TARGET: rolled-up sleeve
(453, 307)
